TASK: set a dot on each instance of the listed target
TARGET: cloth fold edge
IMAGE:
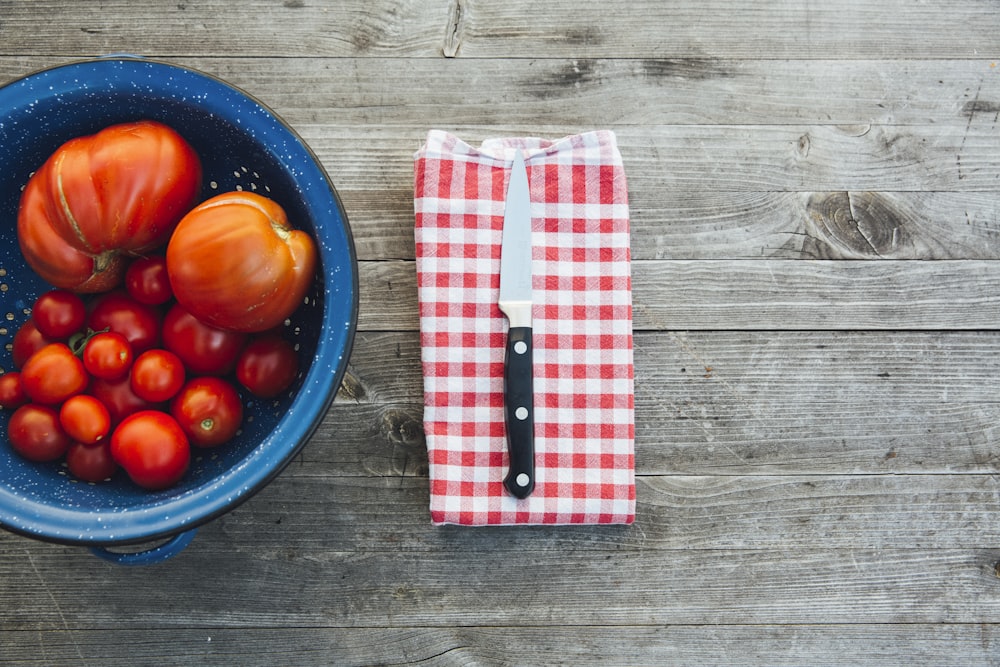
(501, 150)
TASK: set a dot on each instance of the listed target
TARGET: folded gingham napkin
(583, 371)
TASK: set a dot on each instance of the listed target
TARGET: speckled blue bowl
(242, 145)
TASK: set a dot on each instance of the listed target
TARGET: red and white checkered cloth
(582, 333)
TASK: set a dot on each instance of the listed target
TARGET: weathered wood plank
(474, 28)
(670, 224)
(673, 223)
(675, 513)
(915, 192)
(888, 645)
(726, 403)
(949, 157)
(282, 582)
(679, 295)
(811, 295)
(584, 92)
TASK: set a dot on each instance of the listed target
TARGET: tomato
(267, 366)
(34, 433)
(204, 349)
(59, 313)
(152, 448)
(107, 355)
(118, 397)
(157, 375)
(27, 341)
(53, 374)
(91, 463)
(118, 312)
(85, 419)
(236, 263)
(209, 410)
(102, 199)
(12, 391)
(146, 280)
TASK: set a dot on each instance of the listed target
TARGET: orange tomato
(100, 200)
(236, 263)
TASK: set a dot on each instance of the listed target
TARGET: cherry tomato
(209, 410)
(146, 280)
(157, 375)
(100, 200)
(152, 448)
(85, 419)
(58, 314)
(53, 374)
(107, 355)
(27, 341)
(267, 366)
(91, 463)
(204, 349)
(118, 312)
(236, 263)
(12, 391)
(34, 433)
(118, 397)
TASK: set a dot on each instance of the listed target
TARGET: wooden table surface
(815, 202)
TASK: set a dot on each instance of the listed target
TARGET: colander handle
(157, 554)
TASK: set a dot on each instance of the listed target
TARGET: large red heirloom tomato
(99, 200)
(236, 263)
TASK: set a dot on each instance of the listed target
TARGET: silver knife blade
(515, 301)
(515, 250)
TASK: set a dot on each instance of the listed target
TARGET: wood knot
(351, 387)
(804, 145)
(399, 426)
(849, 225)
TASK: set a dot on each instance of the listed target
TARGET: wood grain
(951, 157)
(674, 223)
(395, 91)
(758, 295)
(726, 403)
(713, 645)
(477, 28)
(323, 582)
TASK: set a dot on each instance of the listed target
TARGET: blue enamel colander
(243, 145)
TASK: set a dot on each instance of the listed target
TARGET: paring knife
(515, 302)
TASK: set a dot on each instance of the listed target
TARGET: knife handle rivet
(520, 347)
(522, 479)
(522, 414)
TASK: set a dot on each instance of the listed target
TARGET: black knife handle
(519, 412)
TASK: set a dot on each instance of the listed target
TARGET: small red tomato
(209, 410)
(91, 463)
(107, 355)
(12, 391)
(59, 313)
(138, 322)
(34, 433)
(157, 375)
(53, 374)
(267, 366)
(146, 280)
(118, 397)
(152, 448)
(27, 341)
(85, 419)
(204, 349)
